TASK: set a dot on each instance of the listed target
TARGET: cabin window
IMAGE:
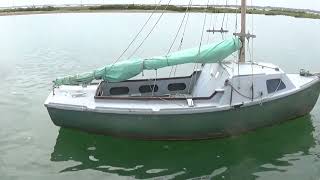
(274, 85)
(148, 88)
(177, 86)
(119, 90)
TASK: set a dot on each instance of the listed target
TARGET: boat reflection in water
(239, 157)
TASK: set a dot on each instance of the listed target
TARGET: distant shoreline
(131, 8)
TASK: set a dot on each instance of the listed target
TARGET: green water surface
(35, 49)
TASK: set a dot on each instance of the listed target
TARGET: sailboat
(214, 101)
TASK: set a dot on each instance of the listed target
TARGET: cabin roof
(255, 68)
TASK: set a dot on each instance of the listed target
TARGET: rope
(224, 15)
(252, 31)
(154, 83)
(181, 105)
(184, 30)
(227, 16)
(251, 52)
(135, 36)
(236, 14)
(167, 5)
(185, 13)
(204, 24)
(245, 96)
(200, 44)
(171, 70)
(226, 24)
(210, 23)
(264, 66)
(144, 25)
(181, 41)
(223, 64)
(192, 76)
(277, 86)
(251, 60)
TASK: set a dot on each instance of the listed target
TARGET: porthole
(119, 90)
(148, 88)
(177, 86)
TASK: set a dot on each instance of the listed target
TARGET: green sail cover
(125, 70)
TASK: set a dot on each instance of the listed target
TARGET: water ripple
(37, 49)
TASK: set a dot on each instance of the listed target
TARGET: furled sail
(127, 69)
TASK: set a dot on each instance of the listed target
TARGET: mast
(243, 35)
(242, 54)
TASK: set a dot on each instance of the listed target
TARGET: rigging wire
(241, 94)
(181, 41)
(154, 83)
(204, 24)
(236, 31)
(141, 29)
(236, 26)
(264, 66)
(252, 28)
(224, 15)
(154, 26)
(236, 14)
(184, 29)
(216, 17)
(210, 23)
(251, 57)
(236, 56)
(200, 44)
(223, 19)
(227, 15)
(251, 64)
(251, 54)
(136, 36)
(184, 16)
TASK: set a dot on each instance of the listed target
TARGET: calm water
(35, 49)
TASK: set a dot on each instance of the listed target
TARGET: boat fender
(261, 98)
(237, 106)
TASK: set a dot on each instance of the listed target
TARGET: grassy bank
(265, 11)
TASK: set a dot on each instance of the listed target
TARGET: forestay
(125, 70)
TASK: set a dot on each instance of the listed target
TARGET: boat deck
(83, 98)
